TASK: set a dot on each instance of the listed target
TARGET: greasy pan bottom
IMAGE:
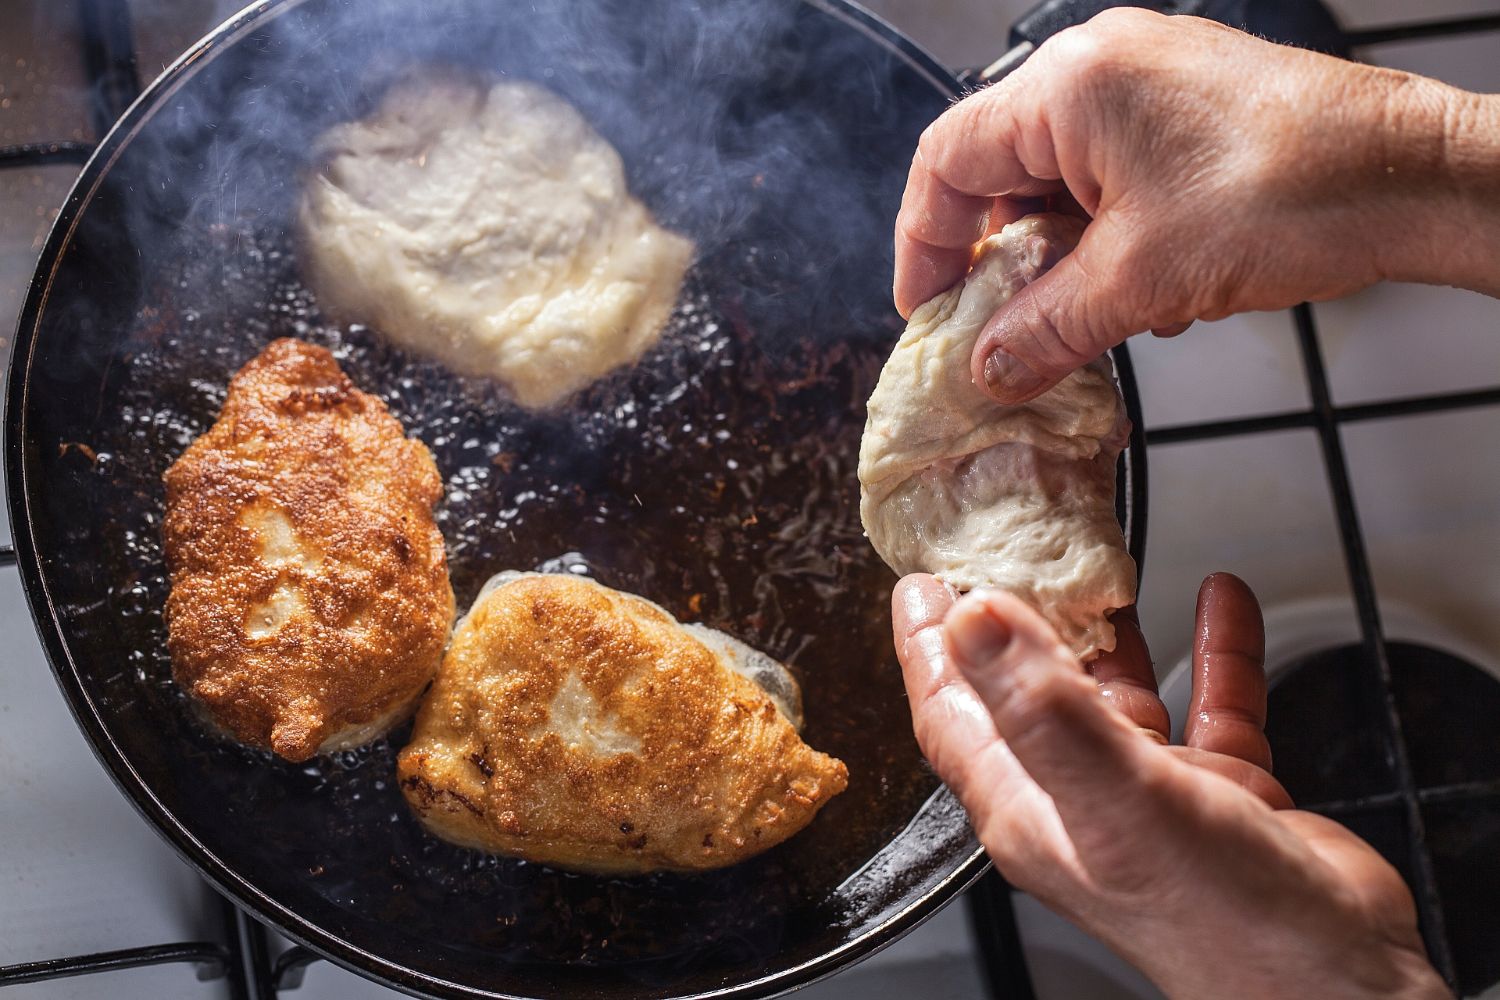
(717, 477)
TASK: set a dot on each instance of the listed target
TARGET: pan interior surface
(716, 477)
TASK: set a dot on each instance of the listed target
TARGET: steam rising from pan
(710, 105)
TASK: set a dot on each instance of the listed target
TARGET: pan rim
(69, 676)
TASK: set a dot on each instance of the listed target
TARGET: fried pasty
(1020, 498)
(310, 598)
(486, 224)
(585, 728)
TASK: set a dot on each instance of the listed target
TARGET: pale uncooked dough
(489, 226)
(1020, 498)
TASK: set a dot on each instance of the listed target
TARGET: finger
(936, 246)
(1227, 710)
(936, 230)
(938, 215)
(1048, 711)
(918, 606)
(957, 735)
(1059, 322)
(965, 161)
(1127, 680)
(950, 722)
(1171, 330)
(926, 271)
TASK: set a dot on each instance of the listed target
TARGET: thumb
(1064, 319)
(1050, 714)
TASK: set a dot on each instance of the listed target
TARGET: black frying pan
(716, 477)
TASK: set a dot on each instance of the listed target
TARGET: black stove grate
(243, 957)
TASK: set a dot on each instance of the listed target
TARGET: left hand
(1188, 861)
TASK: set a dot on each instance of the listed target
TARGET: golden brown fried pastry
(310, 598)
(581, 727)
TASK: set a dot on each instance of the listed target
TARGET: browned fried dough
(310, 598)
(582, 727)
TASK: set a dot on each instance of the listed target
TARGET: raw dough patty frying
(489, 226)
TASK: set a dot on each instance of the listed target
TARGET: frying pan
(716, 477)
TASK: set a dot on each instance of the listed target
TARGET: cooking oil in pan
(716, 477)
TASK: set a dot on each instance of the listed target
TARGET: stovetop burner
(1388, 737)
(1339, 735)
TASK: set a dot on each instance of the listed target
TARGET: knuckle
(1087, 52)
(948, 147)
(930, 142)
(1032, 697)
(1116, 19)
(911, 222)
(1066, 331)
(1127, 293)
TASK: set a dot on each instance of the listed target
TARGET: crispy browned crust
(719, 774)
(362, 589)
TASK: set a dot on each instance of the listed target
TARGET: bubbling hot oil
(716, 477)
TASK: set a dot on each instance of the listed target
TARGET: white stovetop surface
(81, 872)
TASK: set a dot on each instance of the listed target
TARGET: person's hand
(1222, 173)
(1186, 860)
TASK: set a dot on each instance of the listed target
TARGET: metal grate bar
(992, 915)
(1466, 791)
(1423, 29)
(229, 923)
(250, 968)
(291, 967)
(42, 154)
(1403, 406)
(1228, 428)
(7, 555)
(1361, 581)
(1415, 405)
(214, 958)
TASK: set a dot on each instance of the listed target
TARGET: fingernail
(978, 636)
(1008, 379)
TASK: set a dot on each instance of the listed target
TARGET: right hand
(1187, 860)
(1222, 173)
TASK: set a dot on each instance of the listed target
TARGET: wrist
(1436, 208)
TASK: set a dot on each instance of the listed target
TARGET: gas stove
(1339, 457)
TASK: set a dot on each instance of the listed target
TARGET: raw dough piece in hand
(980, 494)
